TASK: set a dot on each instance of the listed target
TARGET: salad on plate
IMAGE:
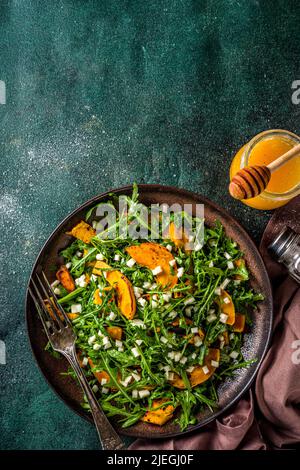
(159, 324)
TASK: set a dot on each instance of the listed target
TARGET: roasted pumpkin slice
(179, 237)
(159, 414)
(65, 278)
(51, 308)
(115, 332)
(227, 307)
(226, 337)
(97, 297)
(125, 295)
(199, 375)
(72, 316)
(153, 255)
(83, 232)
(239, 324)
(99, 374)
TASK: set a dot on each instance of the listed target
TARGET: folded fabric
(276, 393)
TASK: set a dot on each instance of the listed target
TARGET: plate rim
(267, 288)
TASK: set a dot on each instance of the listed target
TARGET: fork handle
(109, 439)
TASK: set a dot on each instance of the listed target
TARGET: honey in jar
(262, 150)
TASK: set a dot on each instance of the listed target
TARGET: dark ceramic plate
(255, 344)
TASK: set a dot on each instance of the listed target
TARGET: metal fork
(62, 338)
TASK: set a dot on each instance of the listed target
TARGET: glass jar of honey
(262, 150)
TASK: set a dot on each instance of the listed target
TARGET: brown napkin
(268, 416)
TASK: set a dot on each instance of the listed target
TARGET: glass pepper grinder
(286, 250)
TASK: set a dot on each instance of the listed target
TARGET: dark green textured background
(104, 93)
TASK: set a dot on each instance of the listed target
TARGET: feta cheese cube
(180, 272)
(211, 264)
(170, 375)
(130, 263)
(57, 291)
(163, 339)
(107, 345)
(172, 314)
(96, 347)
(144, 393)
(197, 341)
(135, 393)
(78, 254)
(166, 297)
(135, 352)
(188, 311)
(117, 257)
(212, 317)
(234, 354)
(112, 316)
(226, 300)
(95, 388)
(183, 360)
(138, 323)
(91, 340)
(137, 292)
(103, 381)
(126, 381)
(205, 370)
(105, 390)
(172, 262)
(139, 342)
(230, 265)
(157, 270)
(154, 304)
(227, 255)
(142, 301)
(136, 377)
(147, 285)
(119, 344)
(177, 357)
(189, 301)
(218, 291)
(99, 257)
(169, 247)
(223, 318)
(81, 281)
(194, 330)
(76, 308)
(85, 361)
(215, 363)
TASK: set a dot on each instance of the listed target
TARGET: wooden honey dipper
(252, 180)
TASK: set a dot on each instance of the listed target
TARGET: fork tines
(42, 294)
